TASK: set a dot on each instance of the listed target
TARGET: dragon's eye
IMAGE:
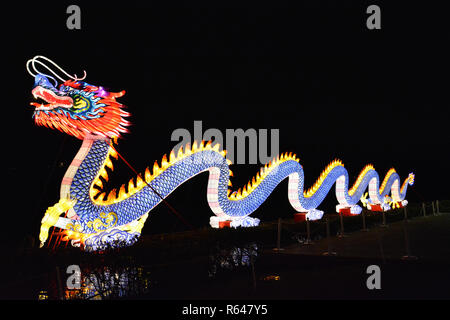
(80, 103)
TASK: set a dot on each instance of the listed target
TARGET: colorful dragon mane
(95, 220)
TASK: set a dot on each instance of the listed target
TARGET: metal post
(423, 209)
(278, 248)
(58, 278)
(308, 232)
(437, 206)
(364, 220)
(432, 205)
(329, 252)
(341, 233)
(408, 255)
(383, 224)
(406, 214)
(279, 234)
(328, 233)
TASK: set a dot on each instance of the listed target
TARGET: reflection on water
(43, 295)
(127, 278)
(111, 283)
(232, 258)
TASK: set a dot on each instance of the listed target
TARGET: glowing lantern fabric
(96, 220)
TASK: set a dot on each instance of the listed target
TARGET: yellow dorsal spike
(102, 196)
(99, 183)
(172, 157)
(139, 182)
(208, 145)
(202, 145)
(180, 153)
(94, 192)
(122, 192)
(230, 173)
(229, 183)
(216, 147)
(187, 149)
(223, 153)
(228, 192)
(113, 153)
(164, 163)
(156, 168)
(229, 162)
(104, 174)
(147, 174)
(131, 186)
(111, 195)
(194, 146)
(108, 162)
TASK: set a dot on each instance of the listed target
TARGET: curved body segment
(128, 205)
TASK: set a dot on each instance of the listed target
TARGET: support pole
(279, 234)
(363, 215)
(308, 232)
(58, 280)
(423, 209)
(437, 206)
(341, 232)
(383, 224)
(408, 255)
(432, 205)
(278, 248)
(329, 251)
(405, 214)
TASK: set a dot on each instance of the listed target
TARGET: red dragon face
(78, 108)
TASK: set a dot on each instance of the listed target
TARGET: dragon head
(76, 107)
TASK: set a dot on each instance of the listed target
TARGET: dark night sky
(313, 70)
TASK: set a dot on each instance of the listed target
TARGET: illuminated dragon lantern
(93, 219)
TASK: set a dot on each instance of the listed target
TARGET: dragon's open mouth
(47, 99)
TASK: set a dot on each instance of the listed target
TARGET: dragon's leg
(349, 209)
(51, 217)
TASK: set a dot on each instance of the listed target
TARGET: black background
(310, 68)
